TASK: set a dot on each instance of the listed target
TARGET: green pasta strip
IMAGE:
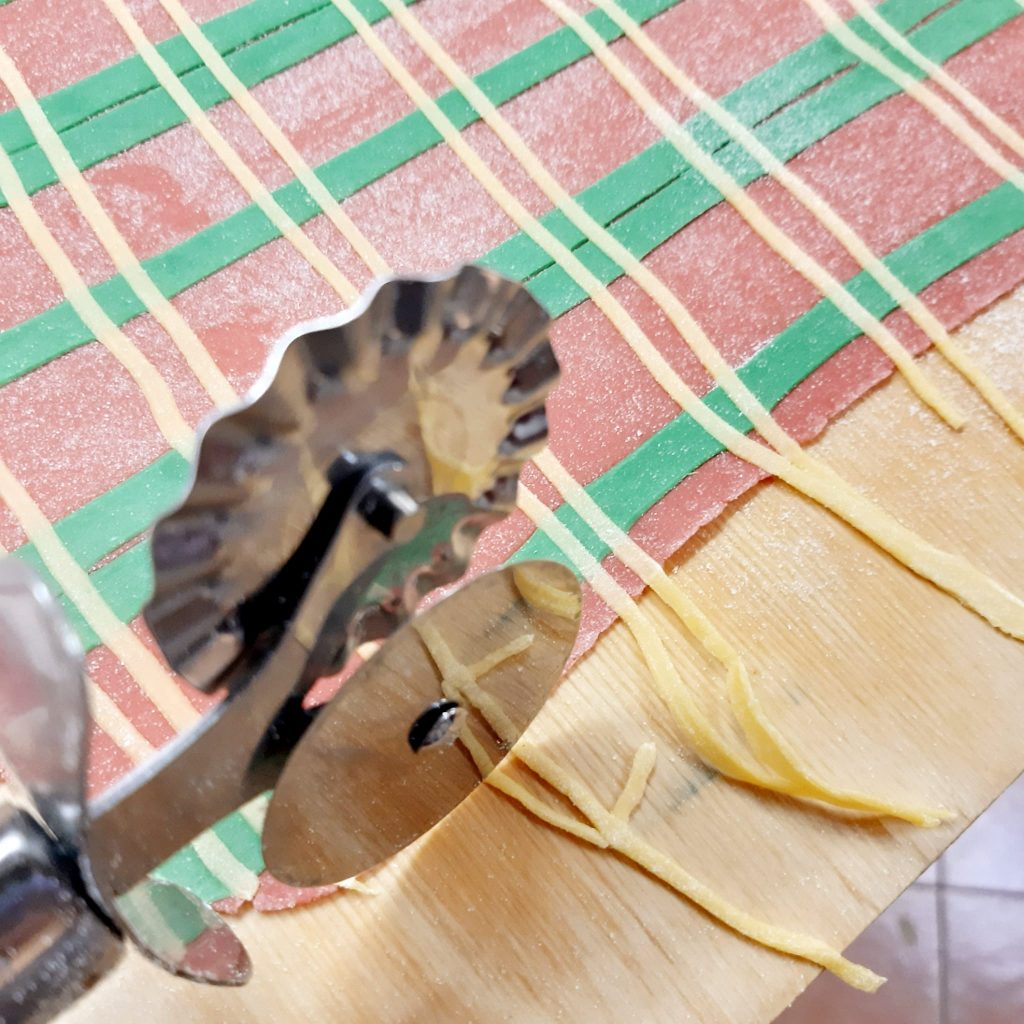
(152, 112)
(59, 330)
(121, 106)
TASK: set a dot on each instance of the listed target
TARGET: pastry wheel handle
(55, 942)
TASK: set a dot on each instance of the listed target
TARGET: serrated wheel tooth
(529, 430)
(522, 325)
(533, 376)
(472, 304)
(447, 372)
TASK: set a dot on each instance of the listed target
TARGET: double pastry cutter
(299, 581)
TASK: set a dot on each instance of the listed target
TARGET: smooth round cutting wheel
(411, 732)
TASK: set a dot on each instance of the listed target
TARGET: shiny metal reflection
(355, 791)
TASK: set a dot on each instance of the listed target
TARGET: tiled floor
(952, 945)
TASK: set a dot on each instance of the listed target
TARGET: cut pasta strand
(997, 125)
(941, 109)
(611, 828)
(271, 131)
(767, 742)
(154, 388)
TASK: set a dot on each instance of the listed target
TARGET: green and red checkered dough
(76, 431)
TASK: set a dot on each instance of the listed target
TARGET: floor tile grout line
(942, 937)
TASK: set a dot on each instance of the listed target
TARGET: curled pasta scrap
(780, 769)
(611, 828)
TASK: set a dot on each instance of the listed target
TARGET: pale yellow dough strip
(116, 724)
(711, 170)
(270, 131)
(765, 739)
(949, 572)
(698, 731)
(154, 388)
(153, 678)
(997, 125)
(614, 831)
(226, 153)
(126, 262)
(941, 109)
(823, 211)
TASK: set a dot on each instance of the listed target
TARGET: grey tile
(903, 945)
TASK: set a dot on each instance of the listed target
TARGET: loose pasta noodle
(765, 739)
(613, 829)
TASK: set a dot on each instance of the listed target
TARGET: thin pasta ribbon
(611, 828)
(767, 742)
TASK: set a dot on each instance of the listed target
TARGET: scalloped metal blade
(379, 767)
(43, 710)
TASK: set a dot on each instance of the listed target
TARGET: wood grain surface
(881, 680)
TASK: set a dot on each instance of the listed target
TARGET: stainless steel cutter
(348, 487)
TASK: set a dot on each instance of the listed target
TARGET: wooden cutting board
(882, 681)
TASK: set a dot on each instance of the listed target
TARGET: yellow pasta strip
(226, 153)
(677, 313)
(128, 265)
(636, 784)
(270, 130)
(941, 109)
(766, 740)
(224, 865)
(116, 724)
(949, 572)
(154, 388)
(817, 205)
(997, 125)
(495, 658)
(455, 678)
(696, 728)
(152, 677)
(611, 829)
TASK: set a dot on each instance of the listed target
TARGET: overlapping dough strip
(611, 829)
(943, 111)
(272, 132)
(765, 739)
(796, 467)
(808, 197)
(240, 170)
(126, 262)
